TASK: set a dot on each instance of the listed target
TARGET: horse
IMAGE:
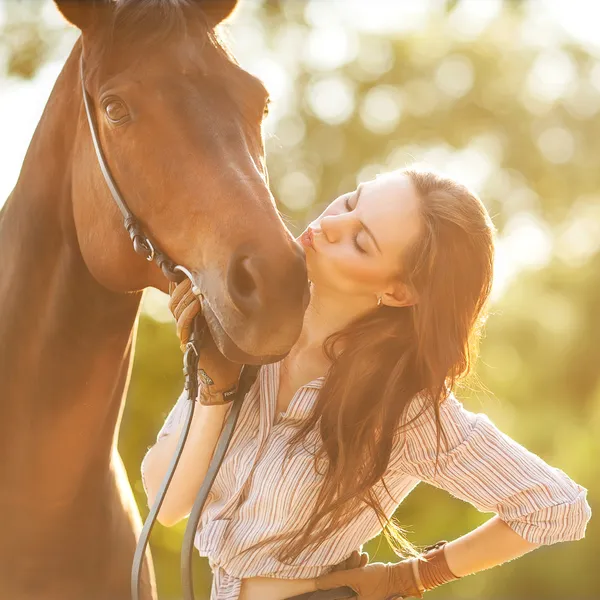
(180, 125)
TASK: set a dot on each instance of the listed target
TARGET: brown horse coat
(191, 165)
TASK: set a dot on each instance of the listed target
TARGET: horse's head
(180, 125)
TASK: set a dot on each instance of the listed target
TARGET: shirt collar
(300, 405)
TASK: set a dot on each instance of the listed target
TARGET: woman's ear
(400, 294)
(85, 14)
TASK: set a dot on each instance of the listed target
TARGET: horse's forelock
(155, 20)
(152, 22)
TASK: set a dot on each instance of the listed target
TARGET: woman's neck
(327, 313)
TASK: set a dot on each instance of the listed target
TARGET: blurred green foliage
(518, 117)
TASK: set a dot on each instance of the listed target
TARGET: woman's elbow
(167, 519)
(564, 522)
(168, 515)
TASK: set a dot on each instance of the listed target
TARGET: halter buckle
(142, 245)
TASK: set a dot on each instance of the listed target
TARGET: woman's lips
(307, 239)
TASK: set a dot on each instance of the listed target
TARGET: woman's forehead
(395, 185)
(392, 193)
(391, 204)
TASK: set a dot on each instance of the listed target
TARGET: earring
(379, 301)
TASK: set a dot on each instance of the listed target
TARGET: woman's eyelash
(356, 245)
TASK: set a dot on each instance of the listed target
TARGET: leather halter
(141, 242)
(142, 245)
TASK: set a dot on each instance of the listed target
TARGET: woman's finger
(178, 292)
(189, 298)
(185, 320)
(348, 563)
(334, 579)
(353, 561)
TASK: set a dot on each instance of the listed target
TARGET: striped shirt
(254, 497)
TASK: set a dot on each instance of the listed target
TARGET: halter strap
(141, 242)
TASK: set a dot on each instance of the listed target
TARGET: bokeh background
(503, 95)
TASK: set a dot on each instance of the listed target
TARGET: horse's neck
(65, 341)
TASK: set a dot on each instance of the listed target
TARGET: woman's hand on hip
(356, 560)
(377, 581)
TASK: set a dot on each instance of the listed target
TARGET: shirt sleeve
(485, 467)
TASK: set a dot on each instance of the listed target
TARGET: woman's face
(358, 241)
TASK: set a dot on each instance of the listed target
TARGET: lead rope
(247, 378)
(190, 360)
(190, 369)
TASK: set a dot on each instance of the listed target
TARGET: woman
(332, 438)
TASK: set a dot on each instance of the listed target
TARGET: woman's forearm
(204, 433)
(491, 544)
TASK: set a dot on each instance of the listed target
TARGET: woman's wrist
(213, 393)
(211, 397)
(402, 581)
(416, 574)
(432, 567)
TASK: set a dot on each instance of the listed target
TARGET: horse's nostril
(242, 278)
(258, 278)
(243, 281)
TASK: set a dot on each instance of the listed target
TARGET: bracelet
(207, 397)
(210, 398)
(434, 570)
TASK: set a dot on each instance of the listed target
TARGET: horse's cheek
(103, 242)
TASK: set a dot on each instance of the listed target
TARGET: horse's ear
(217, 10)
(84, 14)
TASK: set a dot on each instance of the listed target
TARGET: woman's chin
(314, 275)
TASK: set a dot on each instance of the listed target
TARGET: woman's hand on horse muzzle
(218, 375)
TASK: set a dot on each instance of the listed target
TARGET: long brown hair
(384, 359)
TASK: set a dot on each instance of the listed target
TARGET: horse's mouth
(227, 346)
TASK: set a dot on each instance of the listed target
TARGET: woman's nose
(332, 227)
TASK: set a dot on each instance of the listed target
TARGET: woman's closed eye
(355, 239)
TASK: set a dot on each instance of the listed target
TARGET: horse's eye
(116, 111)
(266, 109)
